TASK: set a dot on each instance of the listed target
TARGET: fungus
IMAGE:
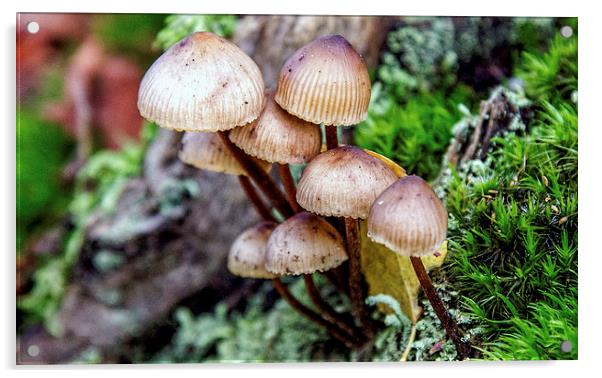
(247, 254)
(305, 244)
(207, 151)
(202, 83)
(343, 182)
(325, 82)
(279, 137)
(409, 219)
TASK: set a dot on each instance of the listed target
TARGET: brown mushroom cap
(343, 182)
(278, 137)
(325, 81)
(207, 151)
(202, 83)
(247, 254)
(408, 218)
(303, 244)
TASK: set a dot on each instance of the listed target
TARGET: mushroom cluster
(211, 90)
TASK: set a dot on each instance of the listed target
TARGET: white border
(590, 137)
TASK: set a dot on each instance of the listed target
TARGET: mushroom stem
(356, 292)
(339, 279)
(259, 176)
(257, 202)
(327, 311)
(451, 327)
(309, 313)
(289, 186)
(332, 140)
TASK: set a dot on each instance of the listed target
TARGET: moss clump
(415, 135)
(513, 223)
(179, 26)
(258, 334)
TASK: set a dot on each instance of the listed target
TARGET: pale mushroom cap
(325, 81)
(343, 182)
(247, 254)
(278, 137)
(202, 83)
(303, 244)
(408, 218)
(207, 151)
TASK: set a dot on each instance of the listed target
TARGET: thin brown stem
(356, 290)
(332, 140)
(259, 177)
(338, 279)
(253, 196)
(310, 314)
(451, 327)
(289, 186)
(327, 311)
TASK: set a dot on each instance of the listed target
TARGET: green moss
(259, 334)
(417, 134)
(128, 34)
(179, 26)
(42, 150)
(513, 224)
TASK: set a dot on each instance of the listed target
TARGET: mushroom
(343, 182)
(202, 83)
(325, 82)
(305, 244)
(247, 254)
(206, 83)
(409, 219)
(247, 258)
(279, 137)
(207, 151)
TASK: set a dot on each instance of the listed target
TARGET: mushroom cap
(408, 218)
(343, 182)
(325, 81)
(202, 83)
(207, 151)
(303, 244)
(278, 137)
(247, 254)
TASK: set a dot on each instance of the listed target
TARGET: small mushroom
(207, 151)
(247, 254)
(304, 244)
(325, 81)
(408, 218)
(277, 136)
(343, 182)
(202, 83)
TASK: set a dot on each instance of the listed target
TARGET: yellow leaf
(389, 273)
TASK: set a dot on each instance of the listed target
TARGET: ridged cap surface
(343, 182)
(325, 81)
(247, 254)
(303, 244)
(278, 137)
(202, 83)
(207, 151)
(408, 218)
